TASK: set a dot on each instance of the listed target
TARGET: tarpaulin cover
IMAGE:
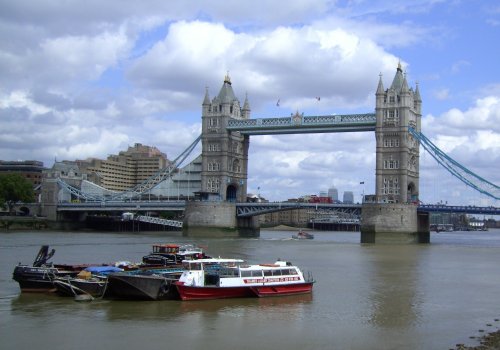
(102, 269)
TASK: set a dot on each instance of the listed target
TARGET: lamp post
(363, 192)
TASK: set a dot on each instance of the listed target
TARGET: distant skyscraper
(333, 194)
(348, 197)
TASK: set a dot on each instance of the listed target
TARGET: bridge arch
(412, 192)
(231, 193)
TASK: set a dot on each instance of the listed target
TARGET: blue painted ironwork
(77, 193)
(464, 209)
(119, 205)
(456, 169)
(299, 123)
(253, 209)
(159, 221)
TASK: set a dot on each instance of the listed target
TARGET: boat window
(246, 273)
(256, 273)
(228, 272)
(268, 272)
(277, 272)
(293, 272)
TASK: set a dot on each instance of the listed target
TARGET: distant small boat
(303, 235)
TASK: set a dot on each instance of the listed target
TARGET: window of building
(390, 186)
(213, 185)
(213, 166)
(213, 147)
(391, 163)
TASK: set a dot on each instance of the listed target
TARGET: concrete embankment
(23, 222)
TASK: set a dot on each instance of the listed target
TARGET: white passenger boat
(231, 278)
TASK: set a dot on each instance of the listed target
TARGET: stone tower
(397, 168)
(224, 153)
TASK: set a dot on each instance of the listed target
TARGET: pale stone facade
(127, 169)
(224, 154)
(397, 164)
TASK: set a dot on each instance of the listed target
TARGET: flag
(278, 103)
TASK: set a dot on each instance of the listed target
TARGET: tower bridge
(300, 124)
(391, 214)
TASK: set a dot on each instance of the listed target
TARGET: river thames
(428, 296)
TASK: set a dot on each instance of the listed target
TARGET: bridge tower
(224, 170)
(224, 153)
(397, 154)
(392, 217)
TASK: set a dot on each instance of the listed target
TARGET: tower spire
(206, 100)
(380, 88)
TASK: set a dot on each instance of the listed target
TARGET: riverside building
(126, 169)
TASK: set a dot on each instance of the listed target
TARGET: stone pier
(217, 218)
(393, 223)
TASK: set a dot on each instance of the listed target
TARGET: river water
(430, 296)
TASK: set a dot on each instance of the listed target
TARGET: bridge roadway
(252, 209)
(297, 124)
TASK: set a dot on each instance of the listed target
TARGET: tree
(15, 188)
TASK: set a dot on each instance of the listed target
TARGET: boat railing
(309, 277)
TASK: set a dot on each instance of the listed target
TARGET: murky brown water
(366, 296)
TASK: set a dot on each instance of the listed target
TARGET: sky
(90, 78)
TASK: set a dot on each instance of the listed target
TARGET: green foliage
(15, 188)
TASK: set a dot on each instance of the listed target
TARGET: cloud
(89, 79)
(459, 66)
(442, 94)
(470, 137)
(294, 63)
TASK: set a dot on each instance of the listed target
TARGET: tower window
(390, 186)
(391, 163)
(213, 166)
(213, 185)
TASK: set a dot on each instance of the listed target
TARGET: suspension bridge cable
(456, 169)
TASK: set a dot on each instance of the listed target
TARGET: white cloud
(88, 79)
(442, 94)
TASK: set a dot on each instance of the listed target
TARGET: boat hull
(207, 292)
(278, 290)
(38, 279)
(77, 286)
(139, 287)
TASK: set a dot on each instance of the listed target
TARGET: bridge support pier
(217, 219)
(393, 223)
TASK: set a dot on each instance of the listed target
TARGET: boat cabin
(166, 248)
(232, 272)
(172, 254)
